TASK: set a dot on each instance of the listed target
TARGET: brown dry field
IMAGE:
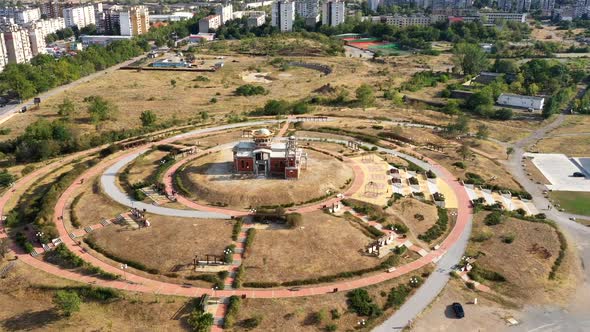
(27, 306)
(572, 146)
(480, 165)
(208, 141)
(491, 149)
(526, 269)
(534, 173)
(168, 242)
(406, 208)
(212, 180)
(145, 165)
(94, 204)
(293, 314)
(508, 131)
(325, 245)
(553, 34)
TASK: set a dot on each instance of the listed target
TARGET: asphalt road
(574, 316)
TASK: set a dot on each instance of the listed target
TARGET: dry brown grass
(477, 164)
(525, 263)
(212, 180)
(406, 209)
(94, 204)
(168, 242)
(27, 305)
(145, 165)
(325, 245)
(294, 314)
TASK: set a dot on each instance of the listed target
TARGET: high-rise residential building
(333, 12)
(283, 15)
(374, 4)
(581, 8)
(309, 10)
(545, 6)
(52, 9)
(48, 26)
(37, 40)
(18, 47)
(255, 18)
(79, 16)
(506, 5)
(134, 21)
(3, 53)
(109, 22)
(21, 15)
(523, 6)
(225, 11)
(211, 22)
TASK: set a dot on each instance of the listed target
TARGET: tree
(173, 83)
(100, 109)
(482, 131)
(67, 302)
(452, 108)
(464, 151)
(509, 151)
(365, 95)
(6, 178)
(470, 57)
(148, 118)
(66, 108)
(200, 321)
(4, 248)
(204, 116)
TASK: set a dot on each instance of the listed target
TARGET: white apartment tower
(225, 11)
(134, 21)
(3, 53)
(333, 12)
(309, 10)
(37, 40)
(79, 16)
(283, 15)
(21, 15)
(18, 47)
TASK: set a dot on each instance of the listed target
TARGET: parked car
(458, 309)
(578, 175)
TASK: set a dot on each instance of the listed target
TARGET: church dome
(261, 133)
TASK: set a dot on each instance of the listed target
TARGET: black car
(578, 175)
(458, 309)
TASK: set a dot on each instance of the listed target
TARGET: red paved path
(141, 284)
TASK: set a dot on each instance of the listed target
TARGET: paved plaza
(558, 169)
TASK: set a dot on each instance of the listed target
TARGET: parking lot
(558, 169)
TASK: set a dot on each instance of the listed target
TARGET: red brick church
(266, 158)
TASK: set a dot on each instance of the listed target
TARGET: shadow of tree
(31, 320)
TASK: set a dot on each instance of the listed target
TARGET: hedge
(250, 234)
(232, 311)
(73, 216)
(63, 257)
(438, 229)
(237, 228)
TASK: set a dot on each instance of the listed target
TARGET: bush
(236, 229)
(250, 234)
(480, 274)
(250, 90)
(361, 302)
(232, 311)
(397, 296)
(459, 164)
(67, 302)
(494, 218)
(400, 228)
(481, 236)
(509, 238)
(438, 229)
(252, 322)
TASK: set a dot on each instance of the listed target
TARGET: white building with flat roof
(283, 15)
(255, 18)
(21, 15)
(79, 16)
(527, 102)
(174, 17)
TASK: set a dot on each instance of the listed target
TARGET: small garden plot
(518, 251)
(168, 242)
(323, 245)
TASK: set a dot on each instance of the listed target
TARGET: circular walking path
(141, 284)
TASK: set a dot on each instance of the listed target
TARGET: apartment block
(211, 22)
(333, 12)
(52, 9)
(255, 18)
(134, 21)
(18, 47)
(37, 40)
(48, 26)
(79, 16)
(3, 53)
(283, 15)
(21, 15)
(225, 11)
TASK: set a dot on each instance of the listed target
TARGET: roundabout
(109, 168)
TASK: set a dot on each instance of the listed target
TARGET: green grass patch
(573, 201)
